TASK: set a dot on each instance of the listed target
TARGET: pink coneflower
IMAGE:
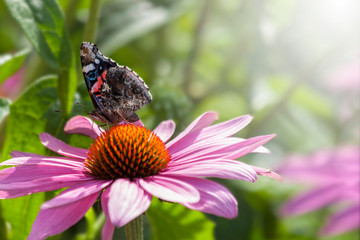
(128, 165)
(335, 175)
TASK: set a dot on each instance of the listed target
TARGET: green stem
(134, 229)
(70, 13)
(3, 231)
(92, 22)
(189, 65)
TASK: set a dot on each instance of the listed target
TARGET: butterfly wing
(116, 91)
(128, 90)
(94, 67)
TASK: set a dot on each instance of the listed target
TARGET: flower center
(126, 151)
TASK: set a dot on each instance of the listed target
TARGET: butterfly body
(116, 91)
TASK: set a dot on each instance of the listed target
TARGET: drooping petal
(53, 221)
(36, 172)
(312, 200)
(125, 201)
(219, 168)
(83, 125)
(169, 188)
(15, 154)
(44, 161)
(62, 148)
(201, 122)
(76, 192)
(26, 179)
(107, 230)
(343, 221)
(267, 172)
(214, 198)
(165, 130)
(28, 188)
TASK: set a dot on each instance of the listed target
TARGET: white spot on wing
(88, 68)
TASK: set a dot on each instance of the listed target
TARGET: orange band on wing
(103, 75)
(97, 86)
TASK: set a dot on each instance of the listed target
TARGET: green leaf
(21, 214)
(32, 21)
(90, 217)
(10, 63)
(44, 25)
(4, 108)
(173, 221)
(30, 115)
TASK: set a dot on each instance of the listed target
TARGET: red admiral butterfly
(116, 91)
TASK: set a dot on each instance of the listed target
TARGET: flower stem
(92, 22)
(134, 229)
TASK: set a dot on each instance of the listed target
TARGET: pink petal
(219, 168)
(24, 173)
(343, 221)
(211, 146)
(14, 154)
(107, 231)
(350, 191)
(228, 151)
(30, 188)
(27, 179)
(312, 200)
(309, 174)
(226, 129)
(45, 161)
(325, 166)
(267, 173)
(165, 130)
(171, 189)
(76, 192)
(201, 122)
(53, 221)
(83, 125)
(61, 148)
(214, 198)
(252, 144)
(125, 201)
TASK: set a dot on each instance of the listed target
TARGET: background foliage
(285, 62)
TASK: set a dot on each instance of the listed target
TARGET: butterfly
(116, 91)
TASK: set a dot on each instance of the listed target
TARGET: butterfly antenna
(84, 106)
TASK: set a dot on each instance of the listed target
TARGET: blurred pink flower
(12, 86)
(127, 165)
(335, 175)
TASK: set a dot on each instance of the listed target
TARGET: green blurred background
(293, 65)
